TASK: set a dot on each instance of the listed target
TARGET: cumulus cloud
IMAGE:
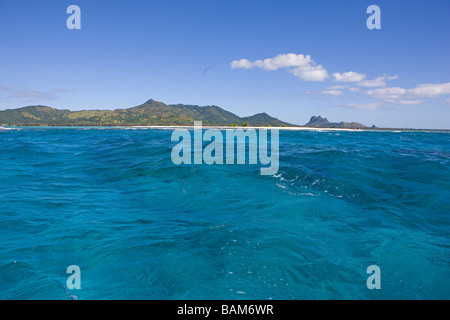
(241, 64)
(430, 90)
(420, 91)
(310, 73)
(299, 65)
(377, 82)
(387, 93)
(306, 69)
(350, 76)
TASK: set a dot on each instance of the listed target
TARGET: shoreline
(191, 127)
(249, 127)
(320, 129)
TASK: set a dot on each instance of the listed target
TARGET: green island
(151, 113)
(155, 113)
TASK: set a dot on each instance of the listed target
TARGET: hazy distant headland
(154, 113)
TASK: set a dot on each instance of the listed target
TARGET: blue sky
(291, 59)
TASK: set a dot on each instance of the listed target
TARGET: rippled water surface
(112, 202)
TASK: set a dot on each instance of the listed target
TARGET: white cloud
(310, 73)
(335, 90)
(404, 102)
(394, 77)
(299, 65)
(284, 61)
(377, 105)
(387, 93)
(365, 106)
(350, 76)
(420, 91)
(430, 90)
(338, 87)
(241, 64)
(332, 92)
(304, 68)
(377, 82)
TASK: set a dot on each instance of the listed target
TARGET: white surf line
(244, 128)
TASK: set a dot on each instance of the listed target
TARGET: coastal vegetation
(151, 113)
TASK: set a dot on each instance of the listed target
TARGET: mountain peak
(39, 108)
(318, 121)
(151, 101)
(263, 119)
(150, 113)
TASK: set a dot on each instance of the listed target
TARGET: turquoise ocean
(111, 201)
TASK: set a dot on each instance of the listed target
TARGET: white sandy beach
(245, 128)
